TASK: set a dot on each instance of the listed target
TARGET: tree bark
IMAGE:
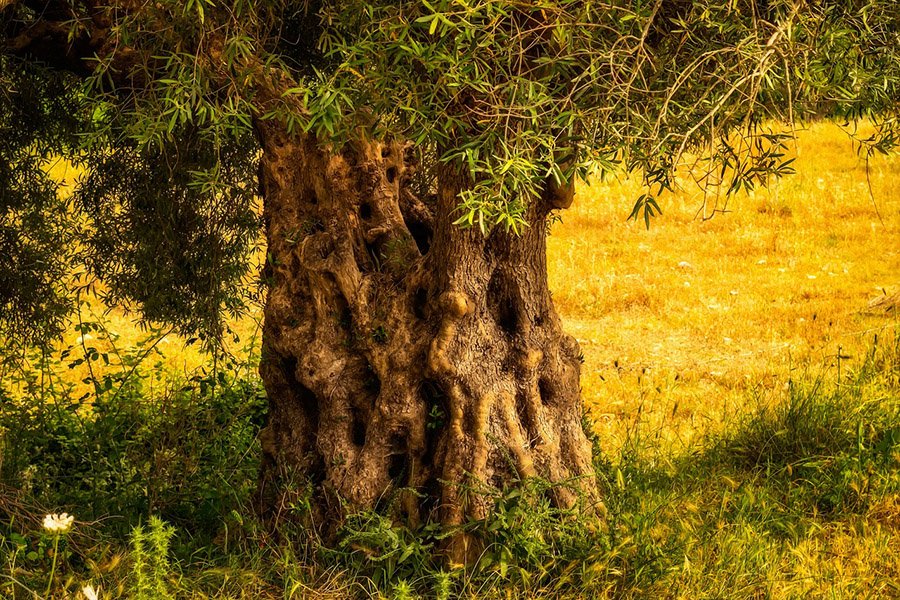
(408, 361)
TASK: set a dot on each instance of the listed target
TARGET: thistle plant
(149, 554)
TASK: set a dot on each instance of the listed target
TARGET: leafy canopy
(158, 103)
(518, 92)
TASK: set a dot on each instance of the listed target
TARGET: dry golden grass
(678, 323)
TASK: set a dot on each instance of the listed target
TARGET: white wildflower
(58, 523)
(90, 593)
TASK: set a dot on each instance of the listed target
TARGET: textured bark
(406, 359)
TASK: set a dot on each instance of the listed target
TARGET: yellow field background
(688, 324)
(682, 325)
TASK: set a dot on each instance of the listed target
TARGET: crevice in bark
(421, 235)
(502, 303)
(435, 447)
(525, 420)
(306, 400)
(420, 302)
(374, 257)
(429, 502)
(343, 316)
(398, 460)
(359, 427)
(418, 216)
(372, 383)
(546, 391)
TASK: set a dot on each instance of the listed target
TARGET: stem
(53, 565)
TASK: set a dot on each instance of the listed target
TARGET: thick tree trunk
(407, 360)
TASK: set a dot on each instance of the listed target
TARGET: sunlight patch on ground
(680, 323)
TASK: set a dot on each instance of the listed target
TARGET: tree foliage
(38, 120)
(157, 103)
(519, 92)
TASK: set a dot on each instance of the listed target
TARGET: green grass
(799, 498)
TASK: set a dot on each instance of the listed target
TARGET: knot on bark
(457, 305)
(532, 358)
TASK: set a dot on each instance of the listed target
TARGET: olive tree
(409, 157)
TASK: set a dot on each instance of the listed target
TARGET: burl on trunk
(406, 359)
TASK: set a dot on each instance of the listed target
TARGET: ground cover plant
(763, 466)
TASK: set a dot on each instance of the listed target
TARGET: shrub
(187, 452)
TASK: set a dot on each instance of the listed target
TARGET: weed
(150, 560)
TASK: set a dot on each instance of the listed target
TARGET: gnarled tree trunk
(402, 352)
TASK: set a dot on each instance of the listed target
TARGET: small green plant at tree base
(380, 334)
(150, 560)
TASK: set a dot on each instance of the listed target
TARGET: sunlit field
(684, 324)
(741, 373)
